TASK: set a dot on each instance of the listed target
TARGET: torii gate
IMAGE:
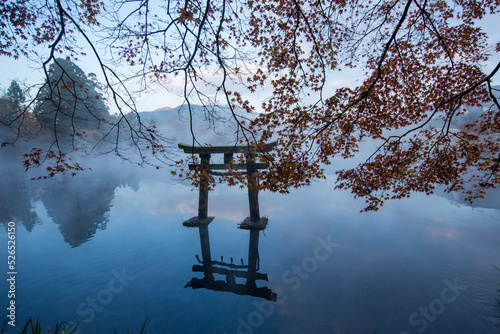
(254, 221)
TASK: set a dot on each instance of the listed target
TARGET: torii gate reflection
(254, 224)
(230, 270)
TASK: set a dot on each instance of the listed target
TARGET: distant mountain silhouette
(163, 109)
(210, 126)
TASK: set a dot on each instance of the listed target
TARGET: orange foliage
(423, 62)
(26, 24)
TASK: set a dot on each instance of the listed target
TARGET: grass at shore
(32, 327)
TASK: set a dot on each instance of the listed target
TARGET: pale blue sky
(159, 97)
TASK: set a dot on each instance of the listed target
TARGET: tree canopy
(11, 102)
(423, 64)
(69, 102)
(11, 111)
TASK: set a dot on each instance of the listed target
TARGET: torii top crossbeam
(227, 149)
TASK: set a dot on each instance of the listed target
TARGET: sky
(171, 94)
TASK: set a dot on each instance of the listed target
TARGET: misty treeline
(69, 105)
(67, 118)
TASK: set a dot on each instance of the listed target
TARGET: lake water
(107, 248)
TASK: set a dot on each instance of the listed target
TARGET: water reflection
(230, 270)
(79, 210)
(16, 203)
(79, 205)
(391, 263)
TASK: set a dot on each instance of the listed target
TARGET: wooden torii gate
(254, 221)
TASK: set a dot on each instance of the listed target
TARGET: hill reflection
(79, 205)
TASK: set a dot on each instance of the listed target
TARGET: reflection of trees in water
(16, 201)
(79, 205)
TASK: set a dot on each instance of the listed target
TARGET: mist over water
(107, 248)
(78, 236)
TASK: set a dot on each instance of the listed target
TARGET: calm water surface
(108, 248)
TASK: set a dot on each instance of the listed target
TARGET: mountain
(163, 109)
(210, 126)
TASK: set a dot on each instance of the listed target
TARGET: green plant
(35, 328)
(60, 328)
(142, 329)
